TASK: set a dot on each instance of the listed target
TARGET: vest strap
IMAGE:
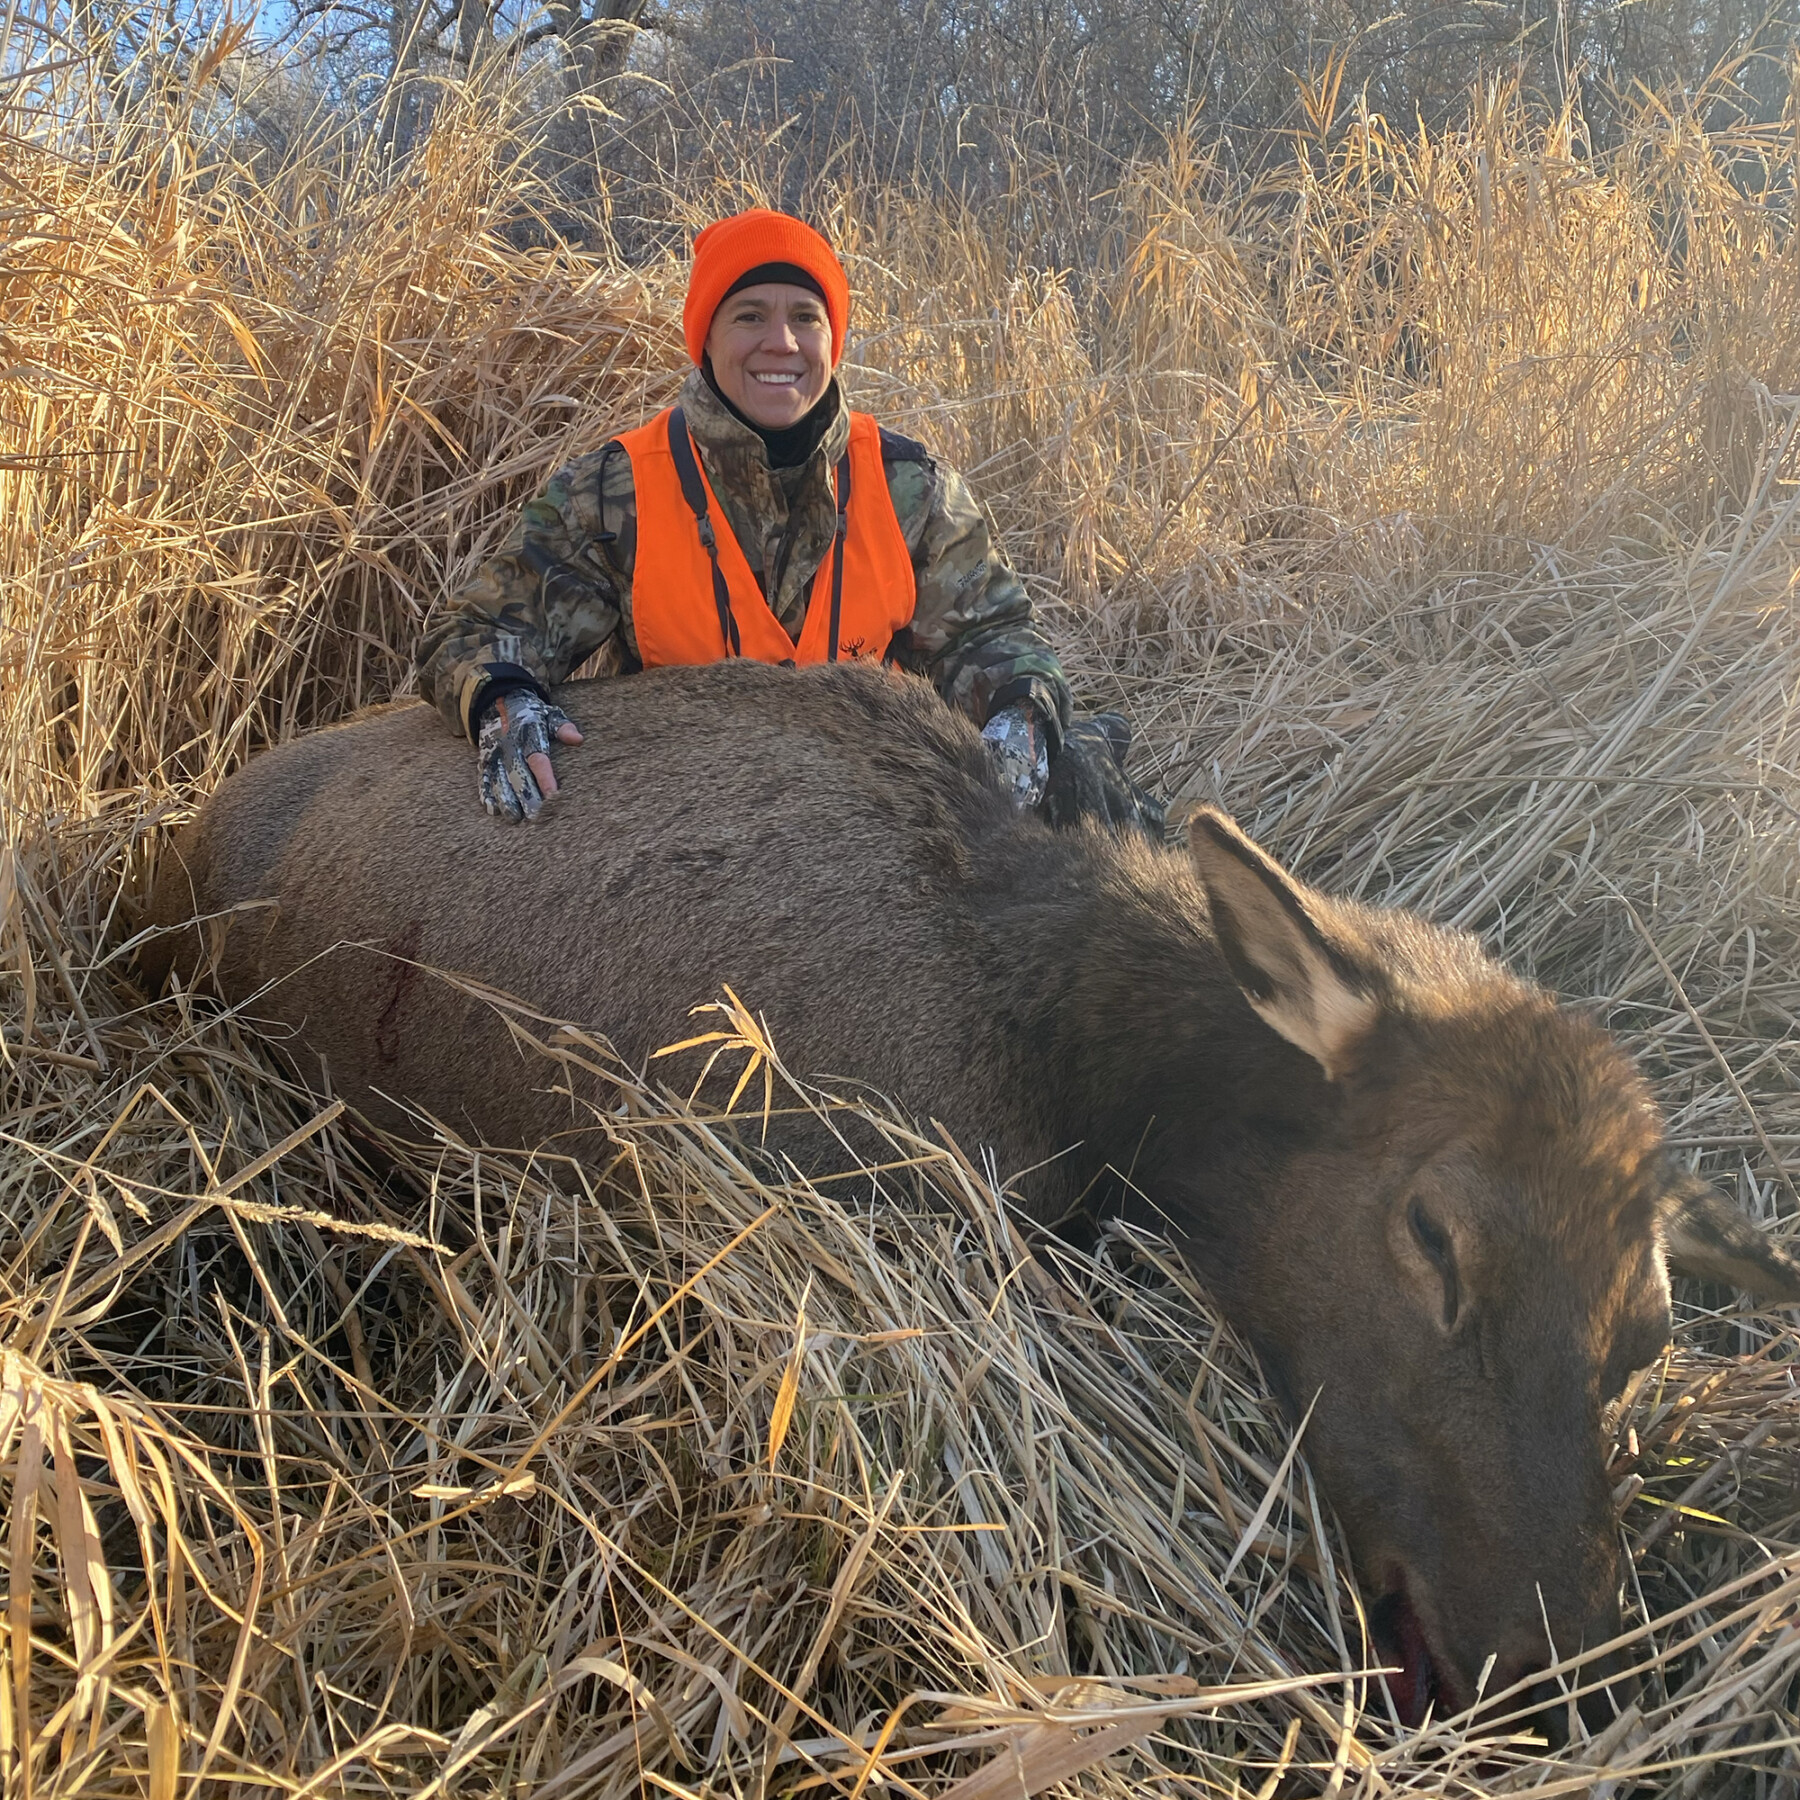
(693, 491)
(837, 553)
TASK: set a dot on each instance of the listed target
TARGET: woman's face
(771, 352)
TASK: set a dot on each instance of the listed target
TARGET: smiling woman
(767, 311)
(761, 517)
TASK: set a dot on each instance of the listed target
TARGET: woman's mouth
(776, 379)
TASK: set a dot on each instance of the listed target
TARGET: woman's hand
(1088, 781)
(513, 751)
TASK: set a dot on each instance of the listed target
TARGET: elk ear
(1274, 941)
(1706, 1236)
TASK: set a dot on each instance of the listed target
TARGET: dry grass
(1431, 503)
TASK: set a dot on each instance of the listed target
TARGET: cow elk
(1439, 1207)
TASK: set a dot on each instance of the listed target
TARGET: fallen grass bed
(1431, 504)
(413, 1469)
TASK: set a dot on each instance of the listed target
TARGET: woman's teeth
(776, 380)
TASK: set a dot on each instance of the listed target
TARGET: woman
(761, 517)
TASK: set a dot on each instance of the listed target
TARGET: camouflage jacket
(559, 588)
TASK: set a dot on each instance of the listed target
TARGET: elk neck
(1137, 1040)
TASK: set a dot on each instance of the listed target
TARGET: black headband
(789, 273)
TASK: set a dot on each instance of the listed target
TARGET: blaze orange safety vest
(693, 597)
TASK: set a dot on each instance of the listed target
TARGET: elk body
(1438, 1206)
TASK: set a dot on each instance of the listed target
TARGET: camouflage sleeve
(972, 635)
(552, 594)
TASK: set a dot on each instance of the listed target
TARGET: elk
(1438, 1206)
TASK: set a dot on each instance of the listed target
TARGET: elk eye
(1435, 1242)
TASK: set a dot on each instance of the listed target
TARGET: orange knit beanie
(729, 249)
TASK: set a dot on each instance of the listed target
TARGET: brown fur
(829, 843)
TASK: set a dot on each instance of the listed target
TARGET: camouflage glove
(514, 753)
(1088, 780)
(1016, 739)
